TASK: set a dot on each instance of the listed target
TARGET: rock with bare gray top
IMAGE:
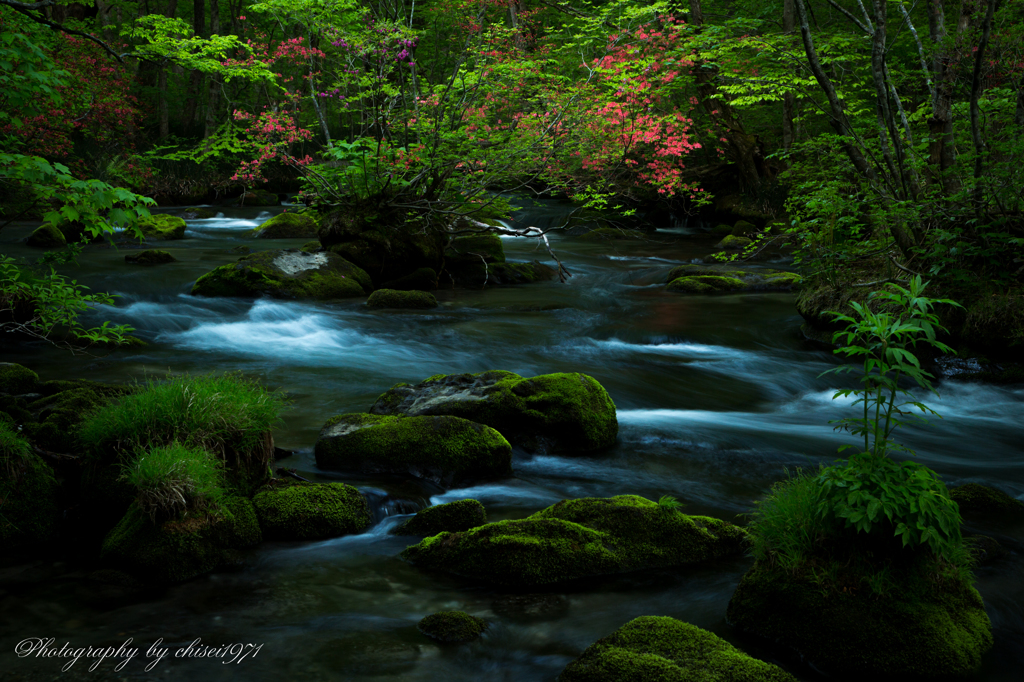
(285, 274)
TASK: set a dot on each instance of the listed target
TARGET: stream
(717, 398)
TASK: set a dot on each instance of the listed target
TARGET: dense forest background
(878, 139)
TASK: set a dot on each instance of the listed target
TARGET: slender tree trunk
(788, 99)
(941, 152)
(195, 81)
(163, 109)
(1018, 115)
(980, 148)
(213, 94)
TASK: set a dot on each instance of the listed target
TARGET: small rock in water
(452, 627)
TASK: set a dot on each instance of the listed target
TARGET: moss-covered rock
(392, 298)
(743, 227)
(17, 379)
(150, 257)
(161, 226)
(602, 234)
(653, 648)
(979, 500)
(179, 550)
(452, 517)
(58, 416)
(693, 270)
(424, 279)
(452, 627)
(311, 247)
(28, 492)
(449, 451)
(311, 511)
(924, 629)
(285, 274)
(721, 230)
(385, 251)
(563, 412)
(472, 252)
(46, 236)
(733, 243)
(475, 275)
(287, 226)
(259, 197)
(705, 284)
(198, 213)
(576, 539)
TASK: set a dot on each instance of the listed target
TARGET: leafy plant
(669, 503)
(174, 479)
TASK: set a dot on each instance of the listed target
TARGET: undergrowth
(174, 479)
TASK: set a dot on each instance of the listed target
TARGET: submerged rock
(665, 649)
(564, 412)
(311, 511)
(922, 629)
(198, 213)
(178, 550)
(149, 257)
(452, 627)
(452, 517)
(392, 298)
(285, 274)
(577, 539)
(162, 227)
(447, 450)
(287, 226)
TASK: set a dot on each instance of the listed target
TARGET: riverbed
(717, 396)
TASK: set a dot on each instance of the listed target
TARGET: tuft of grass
(786, 528)
(669, 503)
(227, 415)
(174, 479)
(13, 450)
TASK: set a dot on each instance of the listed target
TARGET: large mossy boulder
(288, 226)
(393, 298)
(452, 627)
(311, 511)
(653, 648)
(259, 197)
(449, 451)
(161, 226)
(924, 628)
(707, 279)
(181, 549)
(46, 236)
(577, 539)
(17, 379)
(452, 517)
(977, 500)
(58, 417)
(387, 250)
(28, 492)
(553, 412)
(285, 274)
(733, 243)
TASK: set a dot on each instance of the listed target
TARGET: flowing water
(717, 397)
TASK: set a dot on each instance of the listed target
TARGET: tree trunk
(941, 153)
(213, 94)
(195, 81)
(788, 99)
(980, 148)
(163, 110)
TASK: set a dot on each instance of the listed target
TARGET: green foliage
(14, 449)
(224, 414)
(174, 479)
(786, 528)
(669, 503)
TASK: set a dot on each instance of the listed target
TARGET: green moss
(578, 538)
(443, 449)
(198, 213)
(520, 273)
(661, 649)
(59, 417)
(178, 550)
(28, 492)
(469, 250)
(733, 243)
(259, 197)
(424, 279)
(691, 270)
(46, 236)
(783, 280)
(392, 298)
(453, 627)
(274, 274)
(743, 227)
(925, 628)
(150, 257)
(612, 233)
(162, 227)
(16, 379)
(287, 226)
(981, 500)
(452, 517)
(702, 284)
(311, 511)
(721, 230)
(565, 412)
(310, 247)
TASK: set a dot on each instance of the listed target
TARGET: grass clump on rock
(452, 627)
(170, 480)
(661, 648)
(444, 449)
(576, 539)
(394, 298)
(452, 517)
(311, 511)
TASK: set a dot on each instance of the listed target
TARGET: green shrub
(172, 480)
(785, 527)
(227, 415)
